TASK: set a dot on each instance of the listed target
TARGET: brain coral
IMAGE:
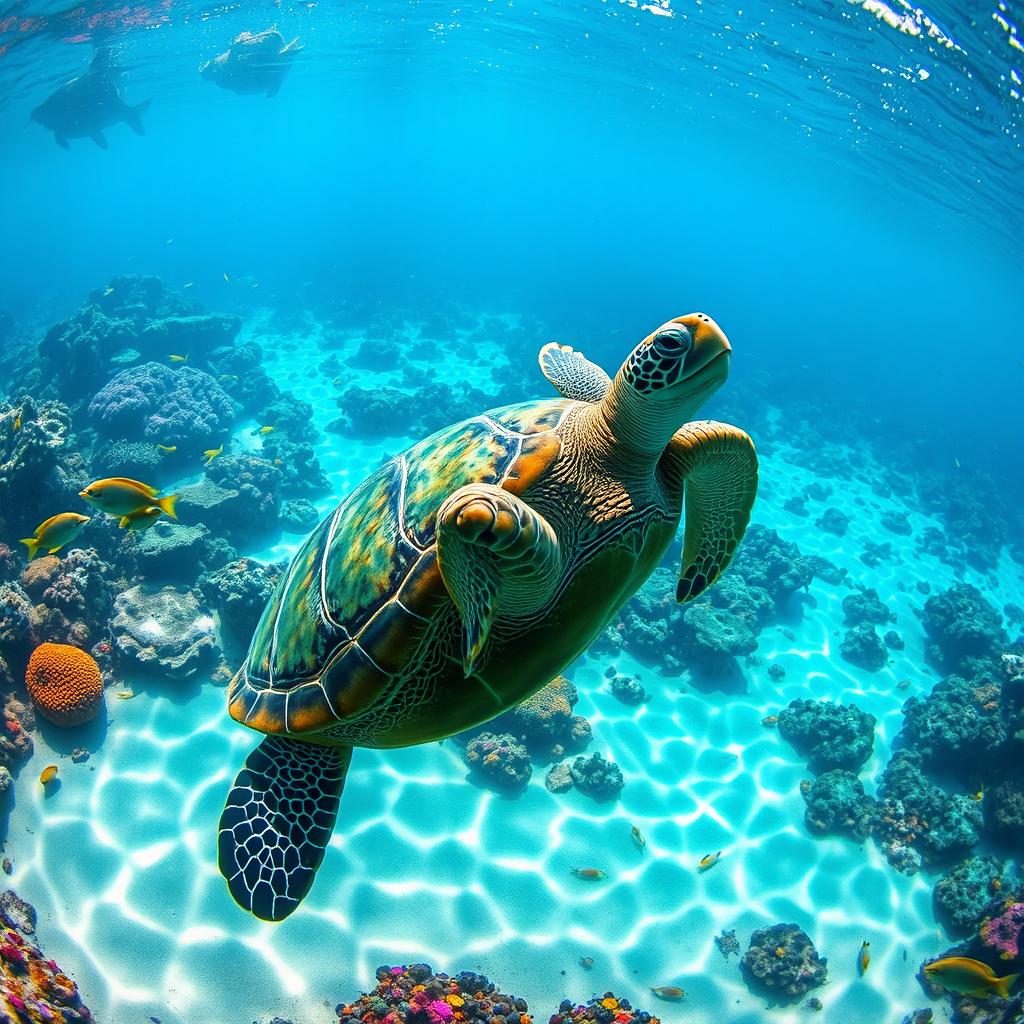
(64, 684)
(152, 402)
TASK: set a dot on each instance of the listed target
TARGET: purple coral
(182, 406)
(1003, 932)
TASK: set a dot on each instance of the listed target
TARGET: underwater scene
(511, 513)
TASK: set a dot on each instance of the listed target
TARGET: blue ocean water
(434, 192)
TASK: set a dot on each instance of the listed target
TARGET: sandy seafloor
(424, 866)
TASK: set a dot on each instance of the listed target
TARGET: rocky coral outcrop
(72, 596)
(782, 961)
(500, 759)
(963, 628)
(838, 805)
(964, 892)
(179, 407)
(597, 777)
(166, 631)
(862, 647)
(238, 592)
(829, 735)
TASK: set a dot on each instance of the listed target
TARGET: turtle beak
(710, 345)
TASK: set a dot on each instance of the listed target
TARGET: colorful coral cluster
(604, 1009)
(33, 988)
(64, 684)
(1003, 933)
(413, 994)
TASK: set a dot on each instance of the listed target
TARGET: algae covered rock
(166, 631)
(962, 627)
(597, 777)
(238, 592)
(782, 961)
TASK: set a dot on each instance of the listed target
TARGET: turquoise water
(434, 193)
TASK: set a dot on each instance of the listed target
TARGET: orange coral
(64, 683)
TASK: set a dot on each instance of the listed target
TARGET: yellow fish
(592, 873)
(708, 862)
(121, 496)
(54, 533)
(865, 956)
(668, 992)
(211, 453)
(107, 291)
(48, 774)
(141, 520)
(167, 447)
(125, 694)
(266, 430)
(179, 359)
(969, 977)
(17, 422)
(638, 837)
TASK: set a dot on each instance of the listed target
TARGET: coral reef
(829, 735)
(861, 647)
(964, 892)
(167, 632)
(597, 777)
(962, 627)
(833, 521)
(32, 987)
(1002, 933)
(169, 552)
(238, 592)
(837, 805)
(865, 606)
(627, 689)
(956, 728)
(299, 516)
(141, 460)
(71, 595)
(181, 407)
(782, 961)
(64, 683)
(500, 759)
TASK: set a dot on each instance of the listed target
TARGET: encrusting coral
(64, 683)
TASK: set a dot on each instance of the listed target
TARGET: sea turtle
(84, 106)
(256, 62)
(465, 573)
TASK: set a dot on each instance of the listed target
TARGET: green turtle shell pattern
(364, 588)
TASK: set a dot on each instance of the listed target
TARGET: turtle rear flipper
(278, 821)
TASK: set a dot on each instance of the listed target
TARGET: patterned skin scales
(466, 573)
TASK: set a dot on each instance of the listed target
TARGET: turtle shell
(362, 591)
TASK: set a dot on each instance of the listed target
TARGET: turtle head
(683, 362)
(665, 380)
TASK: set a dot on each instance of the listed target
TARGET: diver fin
(60, 140)
(99, 138)
(133, 116)
(278, 821)
(573, 375)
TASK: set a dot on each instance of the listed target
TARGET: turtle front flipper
(277, 822)
(573, 375)
(715, 466)
(495, 553)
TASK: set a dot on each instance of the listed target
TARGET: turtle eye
(673, 341)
